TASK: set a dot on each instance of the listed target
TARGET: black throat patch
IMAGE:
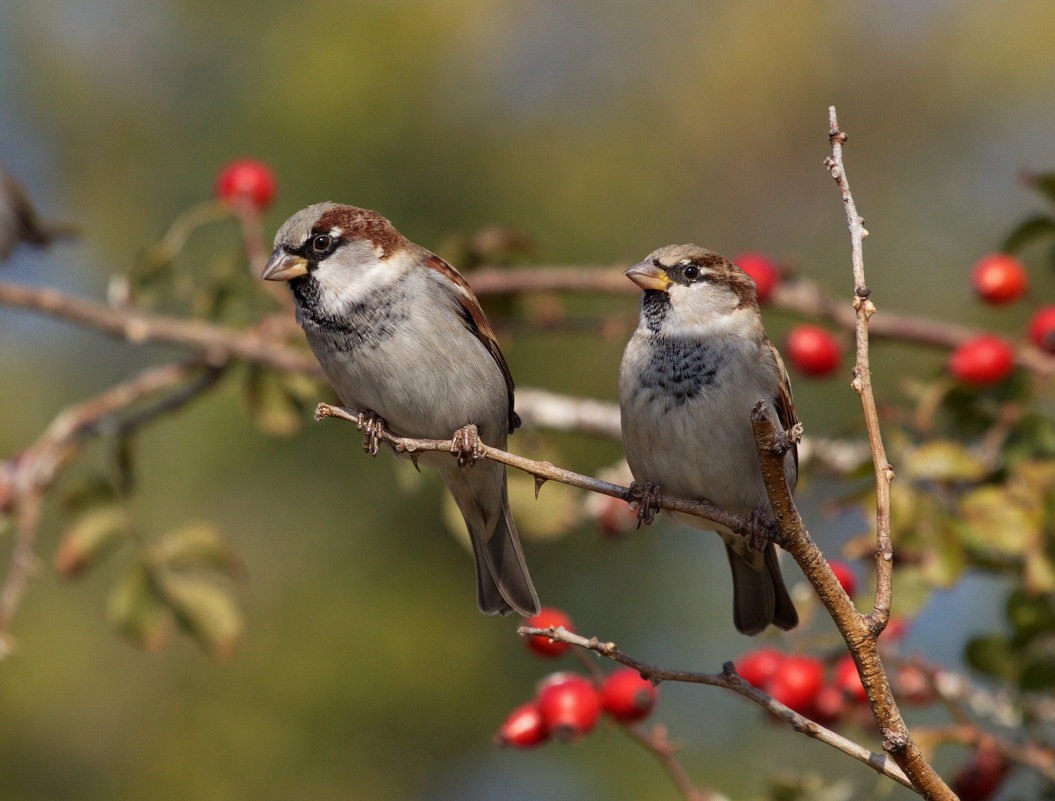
(365, 324)
(655, 306)
(680, 369)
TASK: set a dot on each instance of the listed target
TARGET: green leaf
(205, 610)
(1027, 232)
(993, 656)
(1044, 183)
(1030, 616)
(91, 536)
(1038, 675)
(138, 612)
(195, 545)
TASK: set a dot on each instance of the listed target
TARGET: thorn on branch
(539, 481)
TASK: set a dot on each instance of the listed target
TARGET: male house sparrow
(694, 368)
(402, 338)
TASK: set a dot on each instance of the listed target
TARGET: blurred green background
(601, 130)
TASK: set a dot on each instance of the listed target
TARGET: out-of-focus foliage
(599, 132)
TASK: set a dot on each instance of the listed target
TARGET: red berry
(523, 728)
(570, 706)
(913, 685)
(797, 682)
(845, 574)
(848, 680)
(895, 629)
(249, 180)
(758, 667)
(999, 278)
(829, 705)
(981, 776)
(986, 359)
(762, 270)
(813, 350)
(1042, 328)
(547, 618)
(627, 696)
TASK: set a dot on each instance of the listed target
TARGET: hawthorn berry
(999, 278)
(759, 666)
(797, 683)
(1042, 328)
(848, 680)
(570, 706)
(764, 272)
(813, 350)
(548, 617)
(829, 705)
(845, 574)
(627, 696)
(913, 685)
(247, 180)
(981, 776)
(986, 359)
(523, 728)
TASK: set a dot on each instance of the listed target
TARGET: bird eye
(692, 272)
(321, 243)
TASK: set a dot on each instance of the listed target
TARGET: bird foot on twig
(646, 496)
(466, 445)
(758, 530)
(374, 427)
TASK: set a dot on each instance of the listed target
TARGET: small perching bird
(403, 339)
(692, 372)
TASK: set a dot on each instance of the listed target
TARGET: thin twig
(542, 471)
(730, 680)
(862, 383)
(656, 743)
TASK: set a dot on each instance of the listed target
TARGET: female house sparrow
(402, 338)
(696, 365)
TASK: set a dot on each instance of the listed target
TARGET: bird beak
(648, 276)
(284, 266)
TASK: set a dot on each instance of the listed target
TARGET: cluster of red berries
(567, 706)
(812, 350)
(828, 692)
(246, 181)
(999, 279)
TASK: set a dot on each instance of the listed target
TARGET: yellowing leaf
(205, 610)
(137, 611)
(93, 534)
(993, 519)
(199, 545)
(942, 460)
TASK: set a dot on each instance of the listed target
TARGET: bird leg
(374, 427)
(758, 530)
(646, 496)
(466, 445)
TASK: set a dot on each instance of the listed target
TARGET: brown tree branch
(730, 680)
(216, 343)
(859, 631)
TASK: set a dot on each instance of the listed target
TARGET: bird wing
(476, 321)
